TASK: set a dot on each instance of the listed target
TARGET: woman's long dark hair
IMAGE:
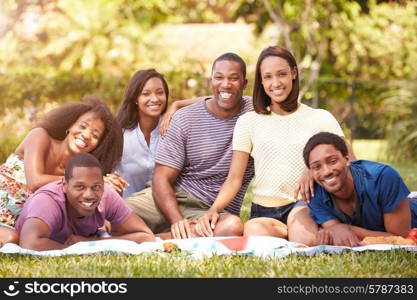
(110, 148)
(128, 113)
(261, 100)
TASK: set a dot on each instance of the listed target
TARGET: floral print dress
(13, 190)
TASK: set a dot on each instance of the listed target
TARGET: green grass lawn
(390, 264)
(376, 150)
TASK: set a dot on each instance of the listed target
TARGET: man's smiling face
(84, 191)
(329, 168)
(227, 84)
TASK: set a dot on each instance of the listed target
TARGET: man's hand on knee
(183, 229)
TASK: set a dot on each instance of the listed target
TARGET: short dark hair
(325, 138)
(128, 112)
(261, 100)
(110, 148)
(232, 57)
(81, 160)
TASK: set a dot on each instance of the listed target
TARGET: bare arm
(362, 233)
(116, 181)
(228, 191)
(163, 128)
(35, 149)
(340, 234)
(397, 222)
(305, 186)
(183, 103)
(233, 181)
(35, 235)
(133, 229)
(163, 192)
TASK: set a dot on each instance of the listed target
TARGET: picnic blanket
(262, 246)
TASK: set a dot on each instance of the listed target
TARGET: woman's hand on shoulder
(172, 109)
(305, 186)
(116, 181)
(166, 118)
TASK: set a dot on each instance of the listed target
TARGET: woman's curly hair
(110, 148)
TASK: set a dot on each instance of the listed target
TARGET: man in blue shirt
(355, 199)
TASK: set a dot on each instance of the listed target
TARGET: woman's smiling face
(152, 100)
(86, 133)
(277, 78)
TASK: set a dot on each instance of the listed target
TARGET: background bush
(365, 109)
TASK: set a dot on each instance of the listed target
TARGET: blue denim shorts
(279, 213)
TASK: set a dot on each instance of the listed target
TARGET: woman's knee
(229, 225)
(301, 227)
(253, 227)
(265, 226)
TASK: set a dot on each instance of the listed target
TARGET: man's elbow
(140, 237)
(160, 185)
(163, 175)
(398, 228)
(33, 185)
(148, 237)
(159, 178)
(29, 243)
(401, 231)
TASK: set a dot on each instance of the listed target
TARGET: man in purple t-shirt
(193, 159)
(65, 212)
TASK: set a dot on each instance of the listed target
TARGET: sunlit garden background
(356, 59)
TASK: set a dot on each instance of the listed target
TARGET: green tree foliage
(52, 47)
(380, 45)
(59, 50)
(354, 47)
(343, 39)
(108, 35)
(377, 49)
(78, 34)
(303, 27)
(401, 103)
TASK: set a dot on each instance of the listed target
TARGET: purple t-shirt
(48, 204)
(199, 144)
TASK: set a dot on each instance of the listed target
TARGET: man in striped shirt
(193, 159)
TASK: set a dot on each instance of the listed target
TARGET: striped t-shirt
(199, 144)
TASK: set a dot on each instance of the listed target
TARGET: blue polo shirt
(379, 189)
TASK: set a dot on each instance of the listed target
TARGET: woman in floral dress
(41, 157)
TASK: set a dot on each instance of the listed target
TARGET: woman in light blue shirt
(140, 116)
(145, 100)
